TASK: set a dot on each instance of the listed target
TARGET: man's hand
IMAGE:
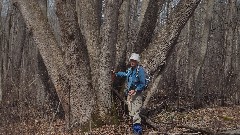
(132, 92)
(113, 71)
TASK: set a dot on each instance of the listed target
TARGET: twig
(32, 82)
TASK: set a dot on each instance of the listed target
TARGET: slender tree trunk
(190, 46)
(133, 26)
(237, 52)
(144, 7)
(1, 52)
(122, 37)
(109, 39)
(204, 45)
(235, 48)
(237, 96)
(53, 20)
(43, 6)
(229, 51)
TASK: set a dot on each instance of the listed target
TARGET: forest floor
(217, 119)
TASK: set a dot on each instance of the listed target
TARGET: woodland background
(56, 58)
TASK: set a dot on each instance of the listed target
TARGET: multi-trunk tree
(69, 62)
(77, 43)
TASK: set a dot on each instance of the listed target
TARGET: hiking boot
(137, 129)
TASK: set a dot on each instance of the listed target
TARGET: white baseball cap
(135, 56)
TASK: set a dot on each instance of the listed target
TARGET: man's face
(133, 63)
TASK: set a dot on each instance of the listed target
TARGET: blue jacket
(134, 80)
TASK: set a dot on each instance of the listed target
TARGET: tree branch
(195, 129)
(157, 52)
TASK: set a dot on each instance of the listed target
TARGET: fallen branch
(195, 129)
(230, 132)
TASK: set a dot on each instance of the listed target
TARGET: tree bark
(147, 24)
(152, 90)
(43, 6)
(229, 51)
(109, 38)
(190, 45)
(122, 36)
(1, 64)
(237, 52)
(133, 26)
(144, 7)
(90, 19)
(77, 62)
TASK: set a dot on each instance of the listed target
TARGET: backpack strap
(137, 70)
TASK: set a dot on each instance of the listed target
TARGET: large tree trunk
(77, 62)
(122, 37)
(51, 54)
(109, 39)
(64, 78)
(90, 20)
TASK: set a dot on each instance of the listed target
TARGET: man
(135, 85)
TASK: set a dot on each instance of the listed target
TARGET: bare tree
(204, 44)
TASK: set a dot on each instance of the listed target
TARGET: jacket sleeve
(121, 74)
(142, 83)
